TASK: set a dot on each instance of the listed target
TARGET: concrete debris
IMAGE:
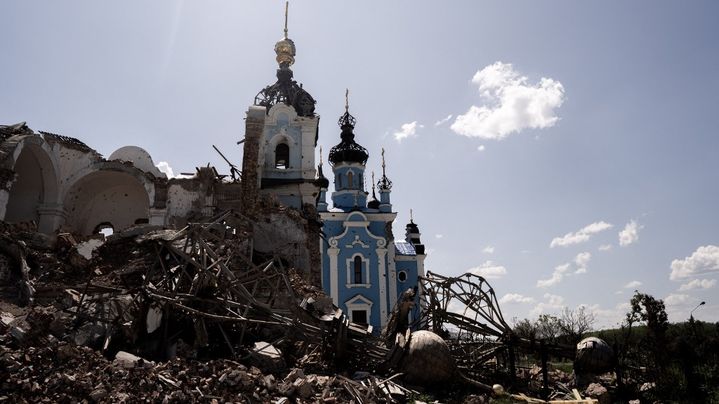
(198, 314)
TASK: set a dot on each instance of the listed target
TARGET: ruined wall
(254, 125)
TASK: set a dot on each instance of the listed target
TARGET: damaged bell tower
(280, 145)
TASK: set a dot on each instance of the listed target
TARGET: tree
(548, 327)
(525, 329)
(575, 323)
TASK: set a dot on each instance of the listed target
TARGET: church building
(363, 268)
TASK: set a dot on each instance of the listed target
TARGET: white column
(333, 252)
(382, 281)
(392, 284)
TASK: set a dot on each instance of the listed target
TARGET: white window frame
(365, 272)
(359, 303)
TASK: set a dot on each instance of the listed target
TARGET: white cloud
(510, 298)
(704, 260)
(481, 147)
(512, 104)
(489, 270)
(443, 120)
(556, 277)
(552, 303)
(581, 270)
(488, 249)
(439, 235)
(584, 234)
(407, 130)
(632, 285)
(698, 284)
(676, 299)
(605, 247)
(630, 234)
(582, 259)
(164, 167)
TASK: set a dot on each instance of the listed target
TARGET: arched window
(358, 269)
(282, 156)
(350, 184)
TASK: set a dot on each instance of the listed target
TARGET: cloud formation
(511, 298)
(489, 270)
(698, 284)
(407, 130)
(581, 236)
(582, 259)
(630, 234)
(704, 260)
(552, 303)
(165, 168)
(605, 247)
(488, 249)
(556, 277)
(512, 104)
(632, 285)
(676, 299)
(443, 120)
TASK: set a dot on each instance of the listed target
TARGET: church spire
(286, 90)
(285, 47)
(348, 151)
(384, 183)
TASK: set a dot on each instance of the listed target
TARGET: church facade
(363, 268)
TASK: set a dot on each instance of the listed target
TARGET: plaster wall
(111, 197)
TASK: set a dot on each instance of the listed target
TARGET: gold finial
(411, 216)
(287, 6)
(347, 99)
(320, 155)
(285, 48)
(373, 182)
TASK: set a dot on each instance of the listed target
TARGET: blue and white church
(364, 269)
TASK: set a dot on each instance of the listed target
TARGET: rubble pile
(194, 314)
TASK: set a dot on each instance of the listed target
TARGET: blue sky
(606, 110)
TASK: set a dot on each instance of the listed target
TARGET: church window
(402, 276)
(350, 183)
(359, 316)
(358, 269)
(282, 156)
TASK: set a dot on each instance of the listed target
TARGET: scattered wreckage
(192, 314)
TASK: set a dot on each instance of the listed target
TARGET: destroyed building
(61, 185)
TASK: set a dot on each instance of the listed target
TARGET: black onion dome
(321, 180)
(289, 92)
(348, 150)
(373, 204)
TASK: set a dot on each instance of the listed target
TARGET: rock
(303, 388)
(294, 375)
(89, 335)
(267, 357)
(599, 392)
(98, 394)
(269, 382)
(18, 332)
(129, 361)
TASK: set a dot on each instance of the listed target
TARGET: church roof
(404, 248)
(348, 150)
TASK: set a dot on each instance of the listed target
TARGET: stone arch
(108, 192)
(34, 194)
